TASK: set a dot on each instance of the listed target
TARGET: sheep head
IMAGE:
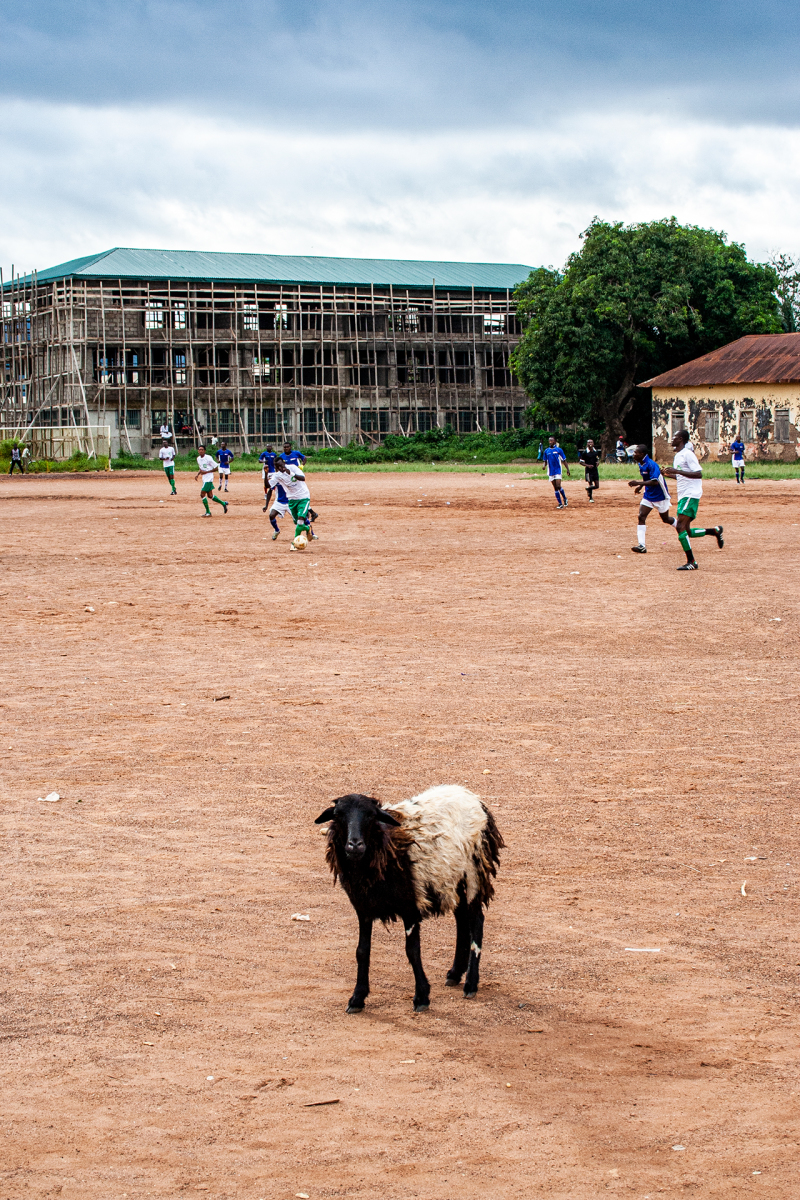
(354, 818)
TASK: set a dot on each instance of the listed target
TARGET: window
(180, 368)
(331, 417)
(677, 421)
(133, 358)
(500, 420)
(497, 372)
(262, 423)
(373, 421)
(781, 433)
(746, 423)
(423, 420)
(179, 315)
(224, 421)
(712, 426)
(494, 324)
(133, 418)
(250, 318)
(312, 422)
(281, 316)
(466, 421)
(261, 367)
(154, 315)
(158, 417)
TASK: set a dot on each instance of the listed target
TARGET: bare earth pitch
(170, 1030)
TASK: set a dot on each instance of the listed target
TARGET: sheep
(433, 854)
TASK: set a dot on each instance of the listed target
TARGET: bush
(445, 445)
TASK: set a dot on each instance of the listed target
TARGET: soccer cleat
(591, 501)
(275, 534)
(566, 504)
(690, 566)
(294, 549)
(640, 549)
(559, 506)
(314, 536)
(225, 506)
(206, 515)
(719, 537)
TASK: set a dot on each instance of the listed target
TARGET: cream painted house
(750, 387)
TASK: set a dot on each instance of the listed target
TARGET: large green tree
(636, 300)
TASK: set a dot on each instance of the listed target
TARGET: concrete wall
(747, 408)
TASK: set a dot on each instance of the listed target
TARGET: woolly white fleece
(447, 823)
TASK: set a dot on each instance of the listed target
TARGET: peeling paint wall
(728, 409)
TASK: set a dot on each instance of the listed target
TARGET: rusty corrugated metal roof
(757, 358)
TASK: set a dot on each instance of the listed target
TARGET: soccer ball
(301, 541)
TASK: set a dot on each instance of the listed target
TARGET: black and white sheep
(433, 854)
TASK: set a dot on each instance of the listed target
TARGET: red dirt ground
(633, 730)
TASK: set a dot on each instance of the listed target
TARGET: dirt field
(167, 1024)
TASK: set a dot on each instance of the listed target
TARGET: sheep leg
(454, 975)
(422, 991)
(356, 1002)
(476, 945)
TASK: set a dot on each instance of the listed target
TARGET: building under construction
(257, 347)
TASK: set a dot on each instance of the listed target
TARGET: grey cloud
(408, 64)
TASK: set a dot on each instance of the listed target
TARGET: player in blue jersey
(656, 494)
(292, 456)
(737, 458)
(224, 457)
(554, 456)
(267, 459)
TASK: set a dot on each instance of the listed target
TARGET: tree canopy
(636, 300)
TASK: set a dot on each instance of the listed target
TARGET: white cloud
(80, 180)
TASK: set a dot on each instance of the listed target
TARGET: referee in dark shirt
(589, 458)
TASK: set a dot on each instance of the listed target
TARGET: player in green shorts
(687, 471)
(167, 456)
(207, 466)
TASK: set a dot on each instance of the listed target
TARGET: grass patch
(75, 463)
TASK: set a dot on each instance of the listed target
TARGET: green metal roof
(122, 263)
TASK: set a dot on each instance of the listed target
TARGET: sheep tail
(487, 857)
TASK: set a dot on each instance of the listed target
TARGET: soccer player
(267, 460)
(298, 497)
(16, 461)
(737, 457)
(224, 456)
(689, 474)
(207, 466)
(167, 456)
(293, 456)
(589, 458)
(656, 495)
(553, 458)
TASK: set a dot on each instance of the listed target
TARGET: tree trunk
(617, 406)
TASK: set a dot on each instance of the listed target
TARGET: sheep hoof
(421, 1007)
(354, 1008)
(470, 995)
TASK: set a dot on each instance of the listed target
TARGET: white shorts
(280, 509)
(659, 505)
(554, 478)
(224, 470)
(738, 462)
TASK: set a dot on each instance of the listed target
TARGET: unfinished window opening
(712, 426)
(250, 317)
(262, 367)
(281, 316)
(497, 373)
(180, 368)
(154, 314)
(179, 315)
(781, 433)
(494, 324)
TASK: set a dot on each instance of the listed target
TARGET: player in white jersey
(687, 471)
(167, 456)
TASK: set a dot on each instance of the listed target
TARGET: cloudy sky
(448, 129)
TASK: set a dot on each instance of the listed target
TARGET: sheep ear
(384, 818)
(328, 815)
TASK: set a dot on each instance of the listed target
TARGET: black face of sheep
(433, 854)
(355, 819)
